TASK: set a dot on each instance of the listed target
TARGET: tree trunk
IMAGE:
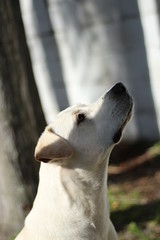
(101, 43)
(21, 122)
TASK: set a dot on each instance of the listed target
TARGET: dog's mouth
(118, 133)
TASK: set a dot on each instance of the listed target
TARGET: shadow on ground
(142, 176)
(136, 213)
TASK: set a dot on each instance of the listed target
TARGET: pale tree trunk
(101, 43)
(21, 122)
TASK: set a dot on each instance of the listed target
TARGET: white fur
(71, 201)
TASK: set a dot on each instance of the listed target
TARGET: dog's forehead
(72, 109)
(66, 114)
(64, 121)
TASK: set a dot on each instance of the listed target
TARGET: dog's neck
(86, 188)
(82, 193)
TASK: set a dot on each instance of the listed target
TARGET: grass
(155, 149)
(119, 200)
(135, 208)
(132, 219)
(138, 233)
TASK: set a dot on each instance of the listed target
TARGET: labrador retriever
(74, 150)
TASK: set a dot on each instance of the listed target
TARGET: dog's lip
(128, 115)
(118, 133)
(130, 109)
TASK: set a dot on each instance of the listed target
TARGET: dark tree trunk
(21, 121)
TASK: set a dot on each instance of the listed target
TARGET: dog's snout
(119, 88)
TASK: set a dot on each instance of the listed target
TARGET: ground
(134, 191)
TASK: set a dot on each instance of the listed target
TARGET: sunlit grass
(155, 149)
(120, 200)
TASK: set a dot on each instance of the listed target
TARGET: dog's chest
(61, 226)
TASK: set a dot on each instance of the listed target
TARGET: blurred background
(56, 53)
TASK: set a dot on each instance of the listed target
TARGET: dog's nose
(119, 88)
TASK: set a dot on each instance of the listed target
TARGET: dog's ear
(52, 147)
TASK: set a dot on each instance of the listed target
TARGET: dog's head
(86, 131)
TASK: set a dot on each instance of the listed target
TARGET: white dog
(71, 202)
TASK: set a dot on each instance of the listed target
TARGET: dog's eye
(80, 117)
